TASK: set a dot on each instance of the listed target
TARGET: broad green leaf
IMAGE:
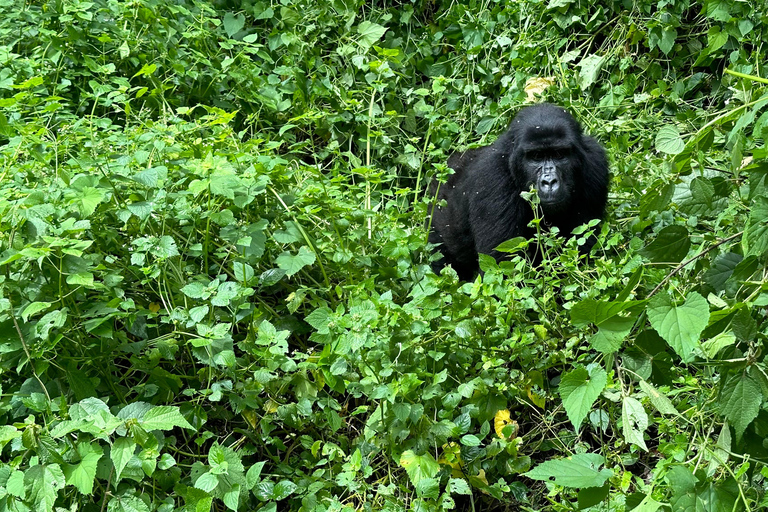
(756, 237)
(253, 476)
(419, 467)
(164, 417)
(613, 325)
(591, 496)
(131, 503)
(579, 470)
(369, 33)
(721, 270)
(207, 482)
(283, 489)
(122, 450)
(43, 484)
(670, 246)
(714, 345)
(668, 140)
(634, 422)
(196, 290)
(34, 307)
(470, 440)
(459, 486)
(293, 263)
(579, 389)
(590, 69)
(740, 400)
(90, 198)
(667, 41)
(82, 474)
(660, 402)
(233, 23)
(680, 326)
(716, 39)
(231, 497)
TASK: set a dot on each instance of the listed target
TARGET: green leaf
(668, 140)
(591, 496)
(253, 476)
(82, 474)
(716, 39)
(578, 470)
(292, 264)
(459, 486)
(634, 422)
(90, 198)
(233, 23)
(740, 400)
(129, 503)
(196, 290)
(369, 33)
(419, 467)
(660, 402)
(579, 389)
(756, 237)
(680, 326)
(122, 450)
(164, 417)
(590, 69)
(611, 318)
(43, 484)
(34, 307)
(283, 489)
(667, 41)
(670, 246)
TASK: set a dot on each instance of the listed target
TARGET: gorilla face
(548, 161)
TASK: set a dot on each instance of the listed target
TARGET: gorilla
(543, 148)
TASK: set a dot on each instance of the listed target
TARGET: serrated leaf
(82, 474)
(283, 489)
(579, 389)
(43, 484)
(89, 200)
(253, 476)
(34, 307)
(740, 400)
(721, 270)
(369, 33)
(680, 326)
(419, 467)
(293, 263)
(756, 236)
(660, 402)
(590, 69)
(670, 246)
(668, 140)
(164, 417)
(233, 23)
(634, 422)
(580, 470)
(122, 450)
(667, 41)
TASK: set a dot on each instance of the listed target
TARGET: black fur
(544, 147)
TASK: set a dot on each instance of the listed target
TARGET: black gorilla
(544, 147)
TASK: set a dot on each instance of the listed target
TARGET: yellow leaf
(154, 307)
(537, 85)
(501, 420)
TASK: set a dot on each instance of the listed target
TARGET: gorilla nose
(549, 184)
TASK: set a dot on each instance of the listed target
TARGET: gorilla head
(545, 138)
(543, 148)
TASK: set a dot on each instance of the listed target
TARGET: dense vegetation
(215, 288)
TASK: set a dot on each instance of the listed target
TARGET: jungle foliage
(215, 289)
